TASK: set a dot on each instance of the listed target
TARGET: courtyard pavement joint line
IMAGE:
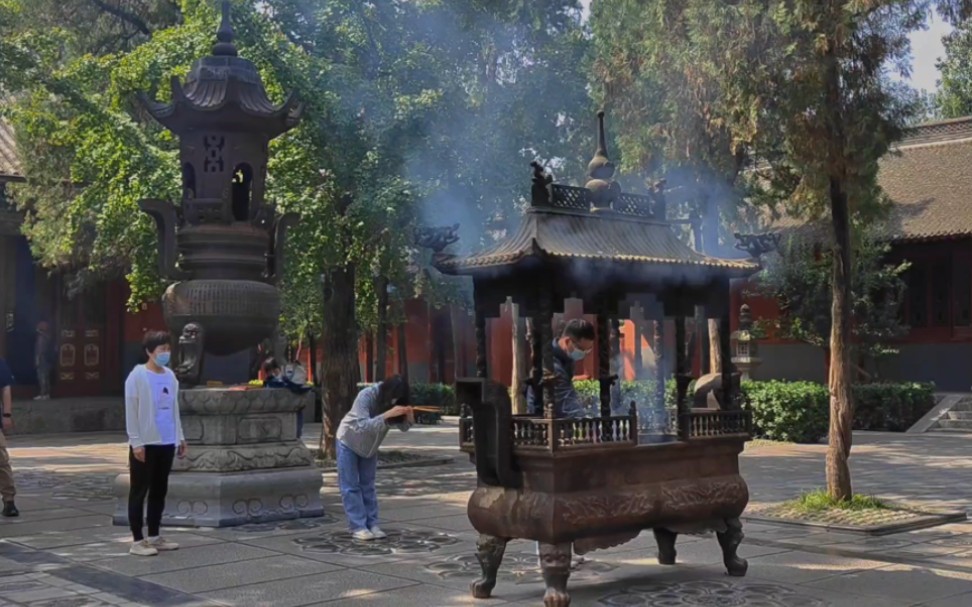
(117, 584)
(859, 554)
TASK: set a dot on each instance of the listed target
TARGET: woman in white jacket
(154, 437)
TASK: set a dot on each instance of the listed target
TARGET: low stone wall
(62, 415)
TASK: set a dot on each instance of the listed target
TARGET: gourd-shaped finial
(601, 170)
(600, 166)
(224, 35)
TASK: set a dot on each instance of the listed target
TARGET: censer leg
(666, 545)
(555, 565)
(489, 552)
(730, 540)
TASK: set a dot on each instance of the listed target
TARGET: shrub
(789, 411)
(891, 407)
(642, 392)
(435, 395)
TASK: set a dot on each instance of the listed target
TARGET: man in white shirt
(155, 437)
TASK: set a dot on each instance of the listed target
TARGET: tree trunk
(381, 333)
(402, 353)
(521, 361)
(841, 403)
(458, 354)
(369, 357)
(841, 399)
(340, 371)
(715, 354)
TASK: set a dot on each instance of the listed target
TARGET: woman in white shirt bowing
(154, 438)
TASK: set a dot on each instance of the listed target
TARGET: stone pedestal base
(211, 499)
(245, 463)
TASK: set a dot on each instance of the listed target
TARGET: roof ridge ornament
(603, 189)
(225, 47)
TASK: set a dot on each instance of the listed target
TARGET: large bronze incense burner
(577, 485)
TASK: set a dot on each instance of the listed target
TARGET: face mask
(162, 359)
(578, 355)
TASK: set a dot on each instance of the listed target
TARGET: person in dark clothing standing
(155, 437)
(275, 378)
(7, 489)
(575, 342)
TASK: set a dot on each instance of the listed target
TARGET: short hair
(270, 365)
(393, 391)
(578, 329)
(153, 339)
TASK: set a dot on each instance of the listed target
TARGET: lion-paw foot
(556, 598)
(482, 589)
(736, 566)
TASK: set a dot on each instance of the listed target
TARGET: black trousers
(148, 479)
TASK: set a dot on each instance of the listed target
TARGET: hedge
(891, 407)
(800, 411)
(788, 411)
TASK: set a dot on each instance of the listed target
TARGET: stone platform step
(952, 413)
(955, 424)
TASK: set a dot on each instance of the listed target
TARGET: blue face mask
(578, 355)
(162, 358)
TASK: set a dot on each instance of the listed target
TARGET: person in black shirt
(7, 490)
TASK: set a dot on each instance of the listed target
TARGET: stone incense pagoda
(223, 246)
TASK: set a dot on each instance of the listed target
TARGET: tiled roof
(586, 235)
(928, 176)
(10, 166)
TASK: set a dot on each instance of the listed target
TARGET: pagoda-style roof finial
(225, 47)
(601, 170)
(600, 166)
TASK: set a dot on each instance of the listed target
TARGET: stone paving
(63, 550)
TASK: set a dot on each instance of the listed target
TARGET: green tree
(804, 87)
(411, 110)
(954, 97)
(664, 71)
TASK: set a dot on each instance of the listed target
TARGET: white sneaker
(160, 544)
(378, 533)
(143, 548)
(364, 535)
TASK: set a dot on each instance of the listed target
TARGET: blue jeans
(356, 479)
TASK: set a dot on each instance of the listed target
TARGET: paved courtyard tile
(308, 590)
(64, 551)
(899, 583)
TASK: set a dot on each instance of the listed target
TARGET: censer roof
(567, 228)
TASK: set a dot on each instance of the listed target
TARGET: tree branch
(124, 15)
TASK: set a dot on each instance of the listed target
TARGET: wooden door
(80, 346)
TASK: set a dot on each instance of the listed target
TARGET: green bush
(788, 411)
(891, 407)
(642, 392)
(435, 395)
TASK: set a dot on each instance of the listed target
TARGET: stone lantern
(745, 345)
(222, 245)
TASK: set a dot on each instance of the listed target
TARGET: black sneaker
(10, 510)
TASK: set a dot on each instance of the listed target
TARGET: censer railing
(538, 433)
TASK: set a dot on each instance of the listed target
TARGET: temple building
(927, 178)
